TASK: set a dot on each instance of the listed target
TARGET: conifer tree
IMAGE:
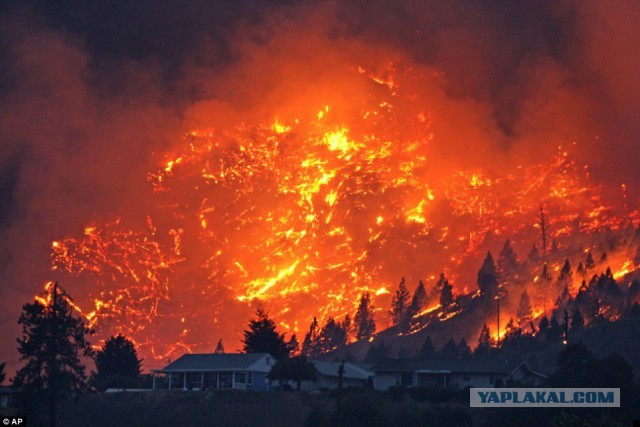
(219, 347)
(427, 351)
(400, 303)
(534, 255)
(446, 294)
(488, 276)
(117, 363)
(52, 342)
(508, 259)
(524, 312)
(589, 263)
(263, 337)
(418, 301)
(310, 343)
(364, 323)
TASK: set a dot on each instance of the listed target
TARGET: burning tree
(52, 342)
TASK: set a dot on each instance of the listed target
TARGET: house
(452, 373)
(244, 371)
(354, 375)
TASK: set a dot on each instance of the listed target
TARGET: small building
(354, 375)
(244, 371)
(452, 373)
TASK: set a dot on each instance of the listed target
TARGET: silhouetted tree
(524, 312)
(364, 322)
(219, 347)
(446, 293)
(485, 342)
(331, 336)
(296, 369)
(400, 303)
(427, 351)
(554, 247)
(508, 259)
(589, 263)
(293, 345)
(378, 352)
(449, 351)
(310, 343)
(577, 321)
(418, 301)
(464, 351)
(263, 337)
(52, 342)
(488, 276)
(2, 374)
(117, 363)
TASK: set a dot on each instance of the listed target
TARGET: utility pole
(543, 229)
(53, 356)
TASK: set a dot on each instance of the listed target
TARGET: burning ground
(306, 158)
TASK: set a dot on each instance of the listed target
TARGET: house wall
(475, 379)
(383, 380)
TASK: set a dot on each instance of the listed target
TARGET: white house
(327, 376)
(245, 371)
(452, 373)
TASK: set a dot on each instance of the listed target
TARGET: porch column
(233, 379)
(153, 384)
(170, 378)
(217, 379)
(184, 381)
(201, 380)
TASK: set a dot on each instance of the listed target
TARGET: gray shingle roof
(214, 362)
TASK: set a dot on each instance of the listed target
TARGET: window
(249, 377)
(240, 377)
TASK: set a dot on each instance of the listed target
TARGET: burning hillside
(307, 212)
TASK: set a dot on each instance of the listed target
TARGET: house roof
(441, 366)
(330, 369)
(213, 362)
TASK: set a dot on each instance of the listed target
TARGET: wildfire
(306, 216)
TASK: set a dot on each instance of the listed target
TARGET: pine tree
(364, 318)
(52, 342)
(293, 345)
(524, 312)
(543, 324)
(488, 276)
(446, 294)
(464, 351)
(418, 301)
(485, 342)
(378, 352)
(310, 343)
(427, 351)
(589, 263)
(2, 374)
(400, 303)
(554, 247)
(577, 321)
(219, 348)
(263, 337)
(449, 351)
(508, 259)
(117, 363)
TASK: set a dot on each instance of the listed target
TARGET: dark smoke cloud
(92, 91)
